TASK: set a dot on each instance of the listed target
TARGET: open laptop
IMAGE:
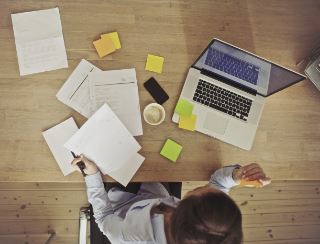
(228, 86)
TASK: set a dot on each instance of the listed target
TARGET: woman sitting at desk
(205, 215)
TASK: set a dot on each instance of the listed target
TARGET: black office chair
(96, 236)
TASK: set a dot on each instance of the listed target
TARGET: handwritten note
(39, 41)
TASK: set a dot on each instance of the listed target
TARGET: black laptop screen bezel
(216, 76)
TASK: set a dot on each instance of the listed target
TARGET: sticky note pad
(184, 108)
(104, 46)
(188, 123)
(154, 63)
(253, 183)
(171, 150)
(114, 37)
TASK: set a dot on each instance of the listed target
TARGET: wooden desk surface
(288, 138)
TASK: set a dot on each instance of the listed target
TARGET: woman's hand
(251, 172)
(90, 167)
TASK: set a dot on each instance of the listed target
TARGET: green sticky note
(184, 108)
(171, 150)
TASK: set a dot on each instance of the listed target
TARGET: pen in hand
(81, 165)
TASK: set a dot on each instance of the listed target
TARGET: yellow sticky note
(104, 46)
(253, 183)
(154, 63)
(188, 123)
(114, 37)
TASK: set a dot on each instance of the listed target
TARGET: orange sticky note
(253, 183)
(188, 123)
(104, 46)
(114, 37)
(154, 63)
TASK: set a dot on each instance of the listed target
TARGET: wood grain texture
(282, 212)
(288, 138)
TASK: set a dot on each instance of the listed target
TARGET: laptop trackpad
(215, 123)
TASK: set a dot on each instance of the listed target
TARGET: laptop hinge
(228, 82)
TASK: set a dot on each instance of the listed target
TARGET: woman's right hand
(90, 167)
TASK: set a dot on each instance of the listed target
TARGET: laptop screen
(245, 68)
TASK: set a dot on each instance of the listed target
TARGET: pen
(81, 165)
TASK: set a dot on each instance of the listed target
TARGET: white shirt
(125, 218)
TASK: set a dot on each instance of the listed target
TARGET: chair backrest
(96, 236)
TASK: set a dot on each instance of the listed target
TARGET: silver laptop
(228, 86)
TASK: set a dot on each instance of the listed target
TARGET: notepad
(104, 46)
(188, 123)
(154, 63)
(184, 108)
(75, 92)
(105, 140)
(114, 37)
(39, 41)
(171, 150)
(119, 89)
(56, 137)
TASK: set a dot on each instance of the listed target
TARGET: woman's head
(206, 215)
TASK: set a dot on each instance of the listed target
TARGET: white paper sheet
(75, 92)
(125, 174)
(39, 41)
(104, 140)
(56, 137)
(119, 89)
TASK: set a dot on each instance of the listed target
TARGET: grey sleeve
(222, 178)
(107, 221)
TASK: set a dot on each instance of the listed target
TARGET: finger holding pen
(90, 167)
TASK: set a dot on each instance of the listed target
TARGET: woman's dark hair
(211, 217)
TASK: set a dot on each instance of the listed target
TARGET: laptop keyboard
(222, 99)
(232, 66)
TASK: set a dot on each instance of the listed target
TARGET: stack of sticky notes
(154, 63)
(187, 120)
(252, 183)
(108, 43)
(171, 150)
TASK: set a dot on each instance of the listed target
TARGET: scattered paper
(171, 150)
(154, 63)
(104, 140)
(39, 41)
(125, 174)
(104, 46)
(184, 108)
(119, 89)
(188, 123)
(114, 37)
(75, 92)
(56, 137)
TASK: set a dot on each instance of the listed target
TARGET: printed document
(56, 137)
(75, 92)
(119, 89)
(104, 140)
(39, 41)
